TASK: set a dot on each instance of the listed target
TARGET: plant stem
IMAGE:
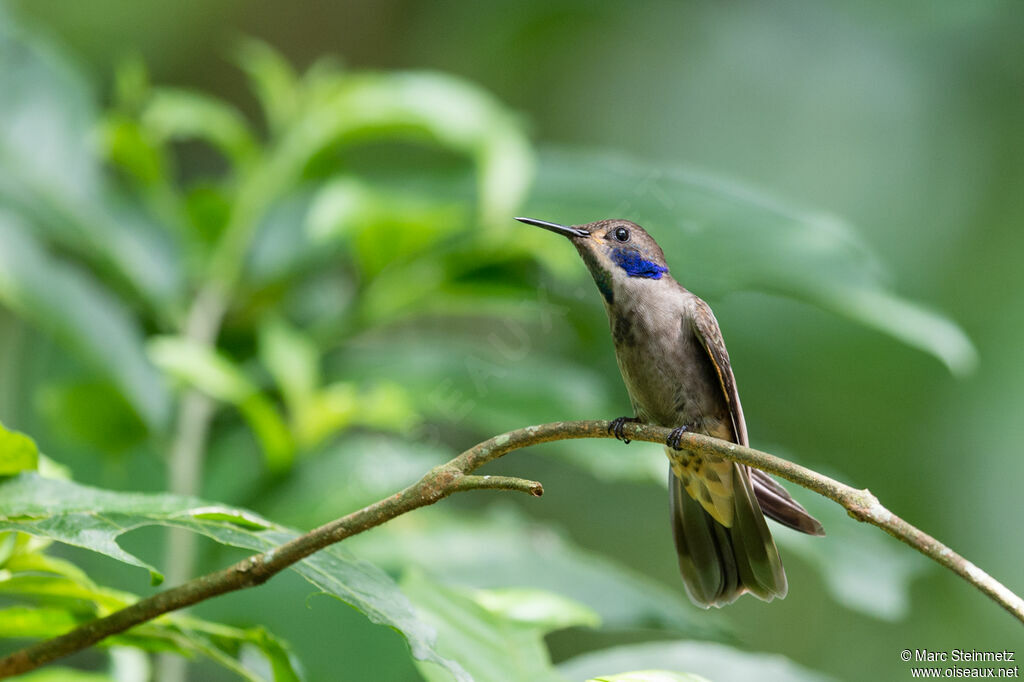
(455, 476)
(185, 458)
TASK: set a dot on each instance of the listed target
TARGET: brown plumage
(677, 372)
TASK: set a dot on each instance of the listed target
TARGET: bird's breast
(663, 365)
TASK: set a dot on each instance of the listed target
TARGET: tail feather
(753, 543)
(719, 564)
(777, 504)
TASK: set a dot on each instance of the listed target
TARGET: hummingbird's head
(618, 253)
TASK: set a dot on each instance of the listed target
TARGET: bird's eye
(621, 234)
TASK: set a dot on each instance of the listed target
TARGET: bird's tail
(720, 563)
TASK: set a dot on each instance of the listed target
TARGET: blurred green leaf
(18, 452)
(362, 217)
(488, 645)
(725, 236)
(354, 471)
(353, 108)
(293, 360)
(57, 581)
(344, 220)
(273, 79)
(93, 519)
(270, 430)
(24, 621)
(15, 546)
(131, 83)
(50, 174)
(448, 111)
(281, 250)
(8, 545)
(47, 112)
(499, 549)
(62, 674)
(85, 317)
(382, 406)
(92, 412)
(51, 469)
(494, 381)
(538, 608)
(201, 367)
(216, 375)
(650, 676)
(713, 661)
(491, 549)
(128, 147)
(62, 596)
(253, 654)
(173, 115)
(862, 569)
(208, 207)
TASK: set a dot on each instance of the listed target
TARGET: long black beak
(564, 230)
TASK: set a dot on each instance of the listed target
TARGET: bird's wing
(705, 326)
(774, 500)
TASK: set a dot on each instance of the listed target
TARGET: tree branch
(455, 476)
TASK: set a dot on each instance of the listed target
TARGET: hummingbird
(673, 361)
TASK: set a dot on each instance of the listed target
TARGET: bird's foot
(673, 438)
(615, 427)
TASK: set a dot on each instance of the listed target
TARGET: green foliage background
(343, 179)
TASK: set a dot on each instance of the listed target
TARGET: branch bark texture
(457, 476)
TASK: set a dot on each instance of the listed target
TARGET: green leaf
(713, 661)
(488, 645)
(253, 654)
(353, 472)
(489, 549)
(128, 147)
(50, 174)
(355, 108)
(61, 674)
(93, 519)
(174, 115)
(273, 79)
(18, 452)
(356, 213)
(81, 314)
(270, 430)
(131, 83)
(208, 207)
(450, 112)
(650, 676)
(495, 383)
(201, 367)
(64, 596)
(46, 114)
(500, 548)
(293, 359)
(538, 608)
(216, 375)
(23, 621)
(726, 236)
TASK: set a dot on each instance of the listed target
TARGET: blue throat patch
(636, 266)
